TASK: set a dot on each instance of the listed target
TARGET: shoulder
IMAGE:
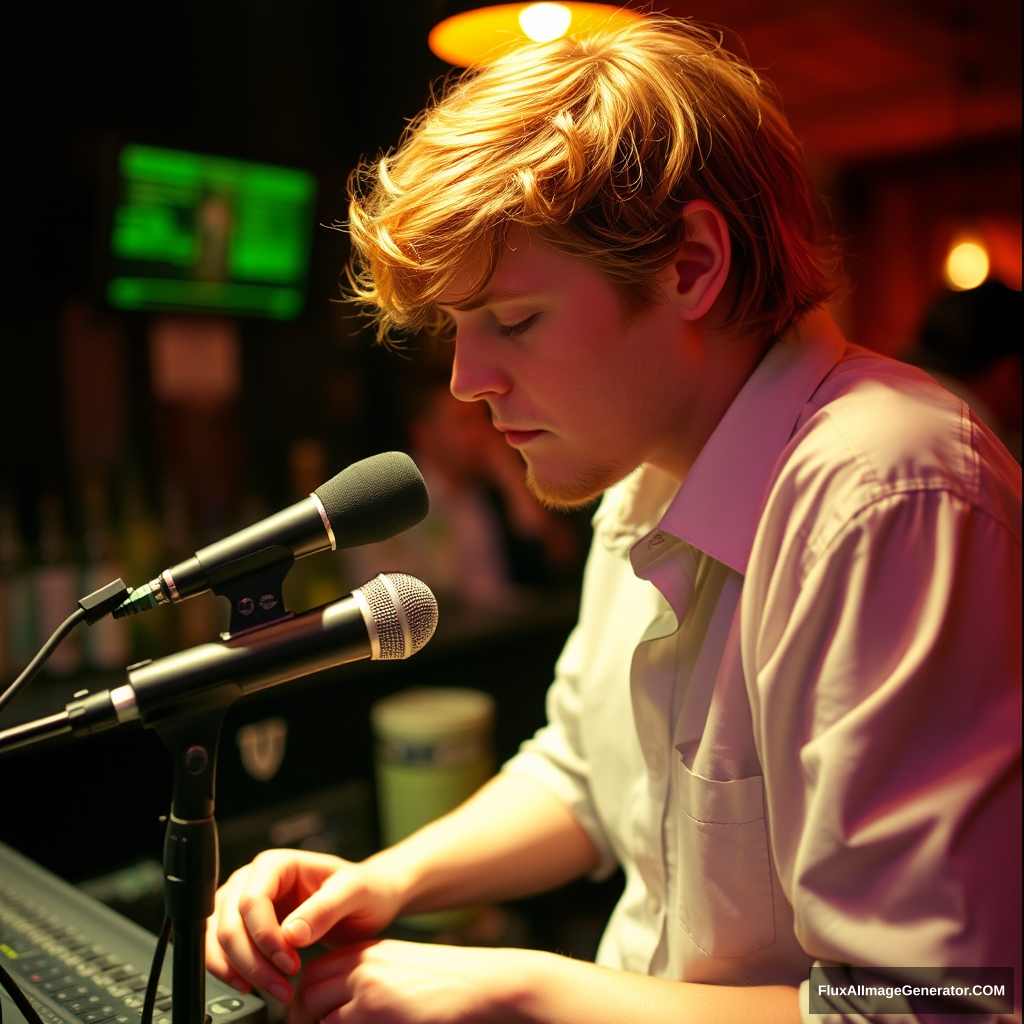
(879, 433)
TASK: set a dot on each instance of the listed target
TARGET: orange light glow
(966, 265)
(481, 36)
(543, 22)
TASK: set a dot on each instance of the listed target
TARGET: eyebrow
(488, 297)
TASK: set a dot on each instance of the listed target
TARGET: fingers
(270, 878)
(231, 953)
(326, 985)
(315, 1002)
(217, 964)
(351, 904)
(336, 962)
(216, 959)
(245, 944)
(341, 895)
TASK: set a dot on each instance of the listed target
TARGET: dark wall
(308, 84)
(299, 82)
(898, 218)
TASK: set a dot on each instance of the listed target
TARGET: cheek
(599, 378)
(592, 354)
(596, 404)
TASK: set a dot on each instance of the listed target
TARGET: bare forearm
(422, 983)
(511, 839)
(555, 988)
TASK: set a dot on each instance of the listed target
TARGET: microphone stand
(380, 623)
(191, 852)
(191, 732)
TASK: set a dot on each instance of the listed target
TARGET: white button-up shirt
(791, 706)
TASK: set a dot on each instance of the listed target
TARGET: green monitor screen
(194, 232)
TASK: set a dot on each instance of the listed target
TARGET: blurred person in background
(312, 582)
(486, 543)
(970, 342)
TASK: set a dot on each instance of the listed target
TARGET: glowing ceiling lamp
(470, 35)
(544, 22)
(966, 264)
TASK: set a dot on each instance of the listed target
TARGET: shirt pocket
(726, 904)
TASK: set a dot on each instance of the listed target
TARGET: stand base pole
(191, 862)
(189, 973)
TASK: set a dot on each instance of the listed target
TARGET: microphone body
(368, 501)
(332, 635)
(299, 530)
(389, 618)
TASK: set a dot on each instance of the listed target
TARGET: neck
(718, 365)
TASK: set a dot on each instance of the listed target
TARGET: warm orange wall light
(483, 34)
(967, 264)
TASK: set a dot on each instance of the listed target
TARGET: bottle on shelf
(56, 587)
(17, 595)
(140, 550)
(107, 642)
(318, 579)
(201, 618)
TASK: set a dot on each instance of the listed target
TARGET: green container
(434, 750)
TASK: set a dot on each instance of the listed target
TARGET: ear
(697, 275)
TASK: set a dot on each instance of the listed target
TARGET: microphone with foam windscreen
(387, 619)
(369, 501)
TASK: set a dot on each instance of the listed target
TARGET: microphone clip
(256, 599)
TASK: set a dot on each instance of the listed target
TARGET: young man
(790, 709)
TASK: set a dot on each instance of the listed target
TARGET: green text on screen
(202, 232)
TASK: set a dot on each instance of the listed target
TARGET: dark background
(910, 112)
(314, 85)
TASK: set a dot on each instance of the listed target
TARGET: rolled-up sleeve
(884, 671)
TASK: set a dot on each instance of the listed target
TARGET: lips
(516, 438)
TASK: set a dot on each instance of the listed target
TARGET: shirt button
(654, 905)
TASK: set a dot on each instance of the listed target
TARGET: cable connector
(103, 601)
(141, 600)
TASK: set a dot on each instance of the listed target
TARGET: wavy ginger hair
(595, 144)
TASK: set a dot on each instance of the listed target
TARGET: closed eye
(514, 330)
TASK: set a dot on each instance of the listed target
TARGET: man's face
(584, 393)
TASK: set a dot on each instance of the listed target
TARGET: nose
(476, 374)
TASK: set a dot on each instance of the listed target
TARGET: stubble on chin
(576, 490)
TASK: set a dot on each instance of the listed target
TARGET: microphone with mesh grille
(369, 501)
(387, 619)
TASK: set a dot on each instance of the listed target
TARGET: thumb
(339, 896)
(297, 930)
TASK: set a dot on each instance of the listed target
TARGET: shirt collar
(718, 505)
(632, 508)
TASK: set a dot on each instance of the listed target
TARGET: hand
(288, 899)
(390, 982)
